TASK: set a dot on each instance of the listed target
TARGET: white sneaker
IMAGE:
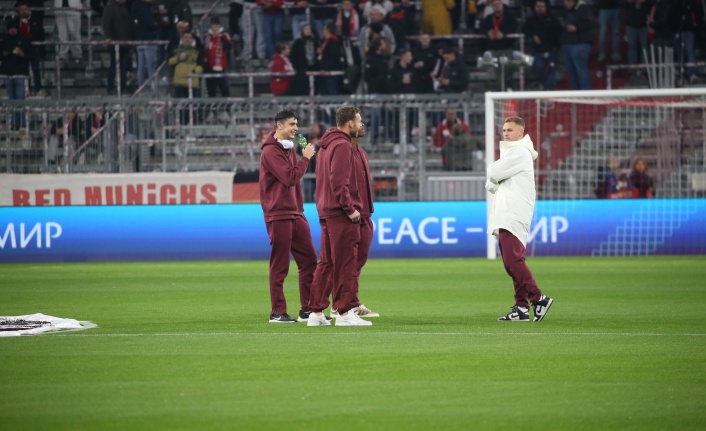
(352, 319)
(315, 320)
(363, 311)
(334, 314)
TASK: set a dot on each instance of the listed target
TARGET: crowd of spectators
(611, 183)
(370, 46)
(361, 40)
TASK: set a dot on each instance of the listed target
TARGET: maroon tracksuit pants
(341, 261)
(513, 254)
(292, 236)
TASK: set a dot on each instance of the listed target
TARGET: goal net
(592, 197)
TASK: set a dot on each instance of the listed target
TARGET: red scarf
(323, 45)
(25, 29)
(353, 23)
(497, 21)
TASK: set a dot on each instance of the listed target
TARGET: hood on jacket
(272, 140)
(332, 134)
(525, 142)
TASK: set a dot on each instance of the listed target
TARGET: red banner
(180, 188)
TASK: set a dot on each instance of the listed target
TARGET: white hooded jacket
(511, 179)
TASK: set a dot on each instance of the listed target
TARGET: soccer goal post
(590, 200)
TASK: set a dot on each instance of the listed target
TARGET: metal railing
(662, 68)
(251, 84)
(147, 135)
(89, 69)
(141, 134)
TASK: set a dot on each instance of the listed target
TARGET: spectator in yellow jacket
(436, 18)
(186, 60)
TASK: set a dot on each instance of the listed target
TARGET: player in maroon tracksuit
(344, 201)
(324, 269)
(282, 203)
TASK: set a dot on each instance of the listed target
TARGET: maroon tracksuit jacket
(342, 187)
(282, 203)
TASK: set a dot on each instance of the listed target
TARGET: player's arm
(507, 166)
(277, 163)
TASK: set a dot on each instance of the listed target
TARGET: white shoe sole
(318, 323)
(357, 322)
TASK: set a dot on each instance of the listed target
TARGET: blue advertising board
(402, 230)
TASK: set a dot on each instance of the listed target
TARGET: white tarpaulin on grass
(38, 323)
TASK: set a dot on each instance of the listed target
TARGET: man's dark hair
(449, 50)
(346, 114)
(284, 115)
(280, 47)
(517, 120)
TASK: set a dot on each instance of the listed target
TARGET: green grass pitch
(187, 346)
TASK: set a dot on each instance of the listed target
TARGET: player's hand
(491, 186)
(355, 217)
(309, 151)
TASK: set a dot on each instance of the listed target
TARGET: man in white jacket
(511, 180)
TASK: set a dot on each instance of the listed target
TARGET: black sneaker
(518, 314)
(541, 307)
(281, 318)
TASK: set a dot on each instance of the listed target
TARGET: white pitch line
(313, 332)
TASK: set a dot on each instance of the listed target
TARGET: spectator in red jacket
(444, 130)
(282, 203)
(281, 64)
(216, 45)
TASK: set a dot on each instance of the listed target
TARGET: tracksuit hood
(331, 135)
